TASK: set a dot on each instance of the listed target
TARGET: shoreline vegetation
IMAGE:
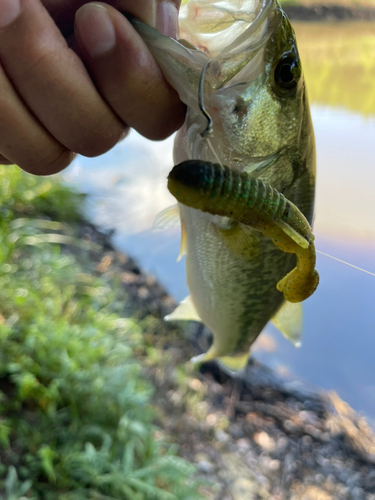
(98, 400)
(329, 10)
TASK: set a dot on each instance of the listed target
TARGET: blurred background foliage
(339, 64)
(75, 413)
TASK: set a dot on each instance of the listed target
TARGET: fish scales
(246, 296)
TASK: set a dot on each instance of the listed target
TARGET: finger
(125, 72)
(156, 13)
(23, 140)
(53, 81)
(5, 161)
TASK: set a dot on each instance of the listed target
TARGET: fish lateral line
(223, 191)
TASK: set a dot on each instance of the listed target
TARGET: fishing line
(347, 263)
(214, 152)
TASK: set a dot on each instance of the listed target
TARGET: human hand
(53, 105)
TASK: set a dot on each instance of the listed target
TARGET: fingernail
(95, 29)
(167, 19)
(9, 11)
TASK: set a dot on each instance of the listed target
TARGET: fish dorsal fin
(185, 311)
(183, 242)
(292, 233)
(241, 240)
(289, 321)
(167, 219)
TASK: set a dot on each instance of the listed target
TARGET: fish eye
(287, 74)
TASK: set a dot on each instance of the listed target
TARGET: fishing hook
(208, 129)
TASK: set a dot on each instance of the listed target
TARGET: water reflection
(127, 189)
(339, 64)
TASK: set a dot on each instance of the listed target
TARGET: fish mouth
(221, 29)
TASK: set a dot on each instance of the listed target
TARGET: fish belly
(234, 292)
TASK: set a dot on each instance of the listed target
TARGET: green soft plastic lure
(226, 192)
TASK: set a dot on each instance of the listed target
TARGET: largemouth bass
(247, 136)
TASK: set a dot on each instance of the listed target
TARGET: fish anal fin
(167, 219)
(289, 321)
(234, 364)
(183, 242)
(185, 311)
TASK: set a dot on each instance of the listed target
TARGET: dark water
(127, 189)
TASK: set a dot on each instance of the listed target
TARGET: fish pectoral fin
(292, 233)
(289, 321)
(167, 219)
(234, 364)
(183, 242)
(185, 311)
(241, 240)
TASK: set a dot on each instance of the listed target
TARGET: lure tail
(223, 191)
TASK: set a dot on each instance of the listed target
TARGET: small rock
(308, 417)
(236, 431)
(274, 465)
(211, 419)
(282, 444)
(222, 436)
(243, 445)
(270, 464)
(307, 441)
(205, 466)
(310, 429)
(369, 482)
(243, 489)
(264, 441)
(195, 384)
(143, 292)
(319, 478)
(314, 493)
(289, 426)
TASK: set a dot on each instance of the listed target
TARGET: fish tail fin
(231, 364)
(210, 355)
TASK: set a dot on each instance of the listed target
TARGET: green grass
(76, 421)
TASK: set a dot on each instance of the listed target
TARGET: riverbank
(329, 10)
(85, 352)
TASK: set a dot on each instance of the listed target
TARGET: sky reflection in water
(127, 188)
